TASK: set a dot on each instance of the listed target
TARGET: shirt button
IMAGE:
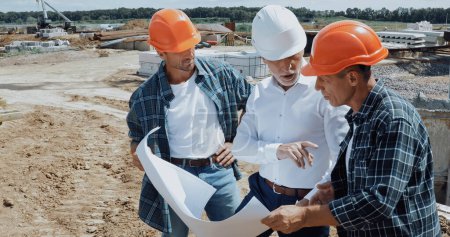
(281, 115)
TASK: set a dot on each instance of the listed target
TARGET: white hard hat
(276, 33)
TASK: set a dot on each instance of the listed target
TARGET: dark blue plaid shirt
(226, 87)
(388, 190)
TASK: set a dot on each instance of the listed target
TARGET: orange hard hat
(171, 30)
(342, 44)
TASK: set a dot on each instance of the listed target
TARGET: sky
(337, 5)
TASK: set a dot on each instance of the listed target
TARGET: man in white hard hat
(284, 116)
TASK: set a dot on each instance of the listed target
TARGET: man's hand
(136, 162)
(302, 203)
(297, 152)
(224, 156)
(324, 194)
(286, 219)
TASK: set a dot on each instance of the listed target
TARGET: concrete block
(48, 44)
(438, 127)
(10, 115)
(444, 211)
(247, 63)
(149, 57)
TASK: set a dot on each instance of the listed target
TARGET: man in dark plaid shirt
(382, 184)
(195, 102)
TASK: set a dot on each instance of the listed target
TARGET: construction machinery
(45, 23)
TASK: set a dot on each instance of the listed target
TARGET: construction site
(64, 92)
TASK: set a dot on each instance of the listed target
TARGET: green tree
(30, 19)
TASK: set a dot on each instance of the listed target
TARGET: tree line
(237, 14)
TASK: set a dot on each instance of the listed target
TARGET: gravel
(424, 84)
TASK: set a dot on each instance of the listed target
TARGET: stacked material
(212, 28)
(87, 35)
(51, 33)
(401, 39)
(149, 61)
(114, 35)
(432, 38)
(247, 63)
(131, 39)
(53, 45)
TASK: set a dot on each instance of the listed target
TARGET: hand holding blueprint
(188, 195)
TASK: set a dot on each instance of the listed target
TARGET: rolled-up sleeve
(135, 129)
(389, 169)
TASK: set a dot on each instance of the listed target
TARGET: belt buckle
(273, 188)
(189, 163)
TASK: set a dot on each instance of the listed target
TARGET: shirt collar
(201, 70)
(164, 86)
(165, 89)
(302, 80)
(367, 106)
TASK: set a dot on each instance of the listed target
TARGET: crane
(45, 22)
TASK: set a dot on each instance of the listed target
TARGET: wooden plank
(10, 115)
(122, 32)
(119, 36)
(103, 36)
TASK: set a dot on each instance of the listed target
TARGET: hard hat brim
(185, 45)
(283, 54)
(308, 70)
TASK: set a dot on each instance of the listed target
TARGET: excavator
(45, 23)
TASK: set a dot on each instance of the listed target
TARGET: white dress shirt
(274, 117)
(192, 124)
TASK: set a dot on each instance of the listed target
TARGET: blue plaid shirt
(226, 87)
(388, 190)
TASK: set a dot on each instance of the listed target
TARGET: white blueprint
(187, 195)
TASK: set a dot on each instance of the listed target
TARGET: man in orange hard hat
(195, 101)
(382, 184)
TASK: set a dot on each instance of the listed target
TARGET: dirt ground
(65, 167)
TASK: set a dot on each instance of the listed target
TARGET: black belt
(191, 162)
